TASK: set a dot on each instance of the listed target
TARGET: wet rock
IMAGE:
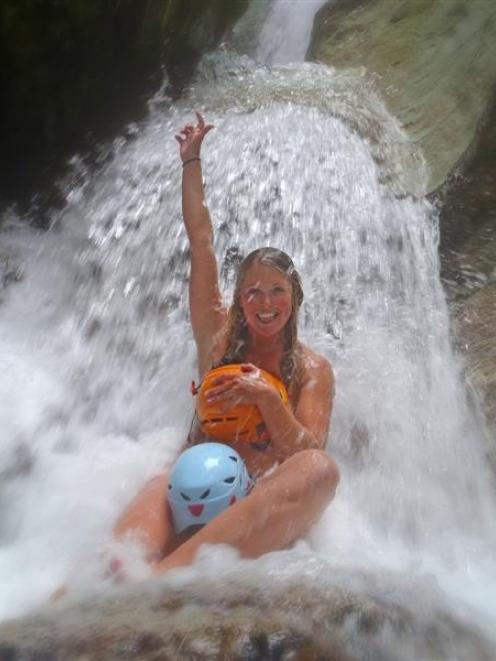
(468, 258)
(434, 60)
(468, 219)
(77, 72)
(262, 617)
(19, 461)
(475, 325)
(10, 271)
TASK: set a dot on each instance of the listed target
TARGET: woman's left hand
(247, 388)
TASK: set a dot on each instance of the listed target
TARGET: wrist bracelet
(190, 160)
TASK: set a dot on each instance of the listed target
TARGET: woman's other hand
(247, 388)
(190, 138)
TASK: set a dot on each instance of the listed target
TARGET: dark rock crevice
(76, 71)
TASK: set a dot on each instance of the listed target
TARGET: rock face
(476, 324)
(468, 253)
(468, 219)
(87, 67)
(435, 62)
(435, 66)
(263, 618)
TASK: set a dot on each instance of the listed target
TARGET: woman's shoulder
(317, 377)
(314, 365)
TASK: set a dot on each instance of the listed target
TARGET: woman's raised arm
(205, 301)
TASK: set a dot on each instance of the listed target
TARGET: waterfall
(286, 32)
(98, 354)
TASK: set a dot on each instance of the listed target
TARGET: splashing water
(286, 32)
(98, 355)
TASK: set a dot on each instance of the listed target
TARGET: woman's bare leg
(279, 510)
(148, 519)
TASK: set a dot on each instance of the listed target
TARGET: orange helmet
(241, 422)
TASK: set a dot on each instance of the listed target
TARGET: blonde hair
(237, 333)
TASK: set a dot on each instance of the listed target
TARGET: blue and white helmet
(205, 480)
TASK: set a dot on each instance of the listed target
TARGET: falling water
(286, 31)
(98, 354)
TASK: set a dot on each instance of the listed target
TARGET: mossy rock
(434, 61)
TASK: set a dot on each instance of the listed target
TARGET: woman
(295, 478)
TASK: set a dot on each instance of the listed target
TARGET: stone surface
(75, 72)
(434, 60)
(468, 255)
(475, 325)
(468, 219)
(261, 618)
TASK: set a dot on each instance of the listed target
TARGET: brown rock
(262, 617)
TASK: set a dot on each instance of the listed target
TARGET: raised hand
(190, 138)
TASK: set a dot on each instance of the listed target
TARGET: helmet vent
(229, 480)
(205, 494)
(185, 496)
(233, 458)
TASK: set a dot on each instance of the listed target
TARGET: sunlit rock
(264, 617)
(435, 64)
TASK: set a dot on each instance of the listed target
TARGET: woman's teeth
(266, 318)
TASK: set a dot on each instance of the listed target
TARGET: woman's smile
(267, 317)
(266, 299)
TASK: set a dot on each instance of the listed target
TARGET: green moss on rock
(435, 62)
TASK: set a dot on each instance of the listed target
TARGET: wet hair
(238, 335)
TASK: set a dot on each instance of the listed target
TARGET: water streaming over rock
(97, 354)
(286, 31)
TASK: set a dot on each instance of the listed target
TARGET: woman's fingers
(238, 390)
(58, 594)
(249, 368)
(218, 392)
(235, 388)
(204, 128)
(224, 378)
(193, 133)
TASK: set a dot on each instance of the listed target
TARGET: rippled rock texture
(75, 71)
(468, 253)
(468, 219)
(475, 325)
(357, 617)
(435, 62)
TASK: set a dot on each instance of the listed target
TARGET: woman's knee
(321, 469)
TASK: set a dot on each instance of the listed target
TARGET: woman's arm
(308, 426)
(205, 301)
(290, 432)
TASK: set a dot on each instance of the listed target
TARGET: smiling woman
(295, 477)
(266, 300)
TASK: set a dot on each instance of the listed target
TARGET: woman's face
(266, 299)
